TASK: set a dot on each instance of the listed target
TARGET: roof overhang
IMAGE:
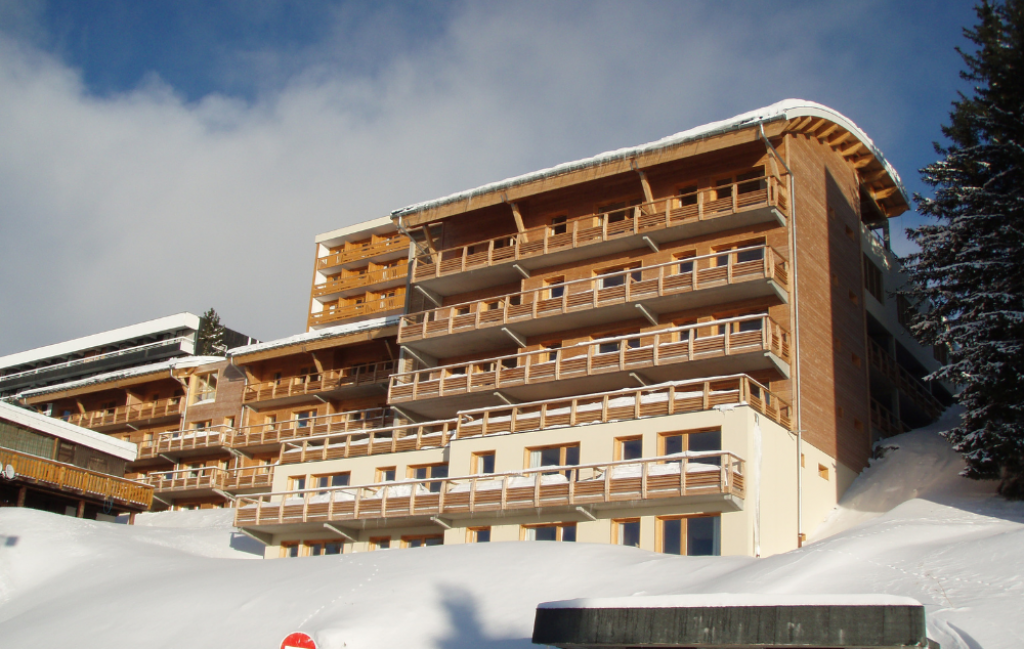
(66, 431)
(312, 341)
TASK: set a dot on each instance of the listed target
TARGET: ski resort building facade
(687, 346)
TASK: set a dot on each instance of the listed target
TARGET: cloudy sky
(168, 156)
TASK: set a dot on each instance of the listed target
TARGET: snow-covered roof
(150, 327)
(320, 334)
(366, 228)
(62, 429)
(786, 109)
(117, 375)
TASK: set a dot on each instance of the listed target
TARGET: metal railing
(700, 205)
(909, 384)
(628, 481)
(676, 277)
(76, 480)
(630, 352)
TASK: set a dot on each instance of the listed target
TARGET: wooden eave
(883, 189)
(303, 347)
(138, 379)
(595, 172)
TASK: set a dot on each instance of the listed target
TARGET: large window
(326, 480)
(873, 279)
(627, 532)
(205, 387)
(553, 532)
(692, 442)
(692, 536)
(422, 541)
(429, 471)
(565, 455)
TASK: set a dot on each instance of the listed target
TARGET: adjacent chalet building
(688, 346)
(55, 466)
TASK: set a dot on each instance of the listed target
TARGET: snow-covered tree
(210, 337)
(968, 277)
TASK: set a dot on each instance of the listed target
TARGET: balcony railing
(315, 383)
(631, 352)
(294, 429)
(622, 405)
(364, 279)
(362, 251)
(355, 310)
(177, 441)
(99, 357)
(131, 412)
(630, 481)
(199, 478)
(75, 480)
(909, 384)
(668, 212)
(252, 477)
(883, 420)
(621, 287)
(410, 437)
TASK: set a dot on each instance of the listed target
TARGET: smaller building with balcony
(359, 273)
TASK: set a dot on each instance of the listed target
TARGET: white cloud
(118, 209)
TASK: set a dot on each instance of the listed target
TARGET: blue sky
(159, 156)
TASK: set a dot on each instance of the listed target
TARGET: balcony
(134, 412)
(182, 443)
(740, 204)
(360, 252)
(248, 479)
(386, 277)
(76, 481)
(736, 275)
(624, 405)
(375, 307)
(732, 345)
(918, 393)
(271, 435)
(354, 381)
(199, 482)
(411, 437)
(712, 479)
(883, 421)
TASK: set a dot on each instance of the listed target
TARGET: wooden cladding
(344, 282)
(326, 381)
(638, 482)
(129, 413)
(699, 205)
(362, 250)
(635, 285)
(656, 401)
(632, 352)
(74, 480)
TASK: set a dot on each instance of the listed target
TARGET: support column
(22, 492)
(81, 509)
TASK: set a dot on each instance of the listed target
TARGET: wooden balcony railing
(631, 481)
(205, 477)
(909, 384)
(379, 305)
(410, 437)
(365, 279)
(622, 405)
(621, 287)
(252, 477)
(131, 412)
(75, 480)
(314, 383)
(701, 205)
(186, 440)
(632, 352)
(884, 421)
(294, 429)
(362, 251)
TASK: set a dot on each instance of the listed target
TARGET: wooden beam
(852, 149)
(824, 135)
(518, 217)
(872, 176)
(863, 162)
(648, 196)
(884, 193)
(839, 138)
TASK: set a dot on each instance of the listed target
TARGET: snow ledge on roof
(70, 432)
(116, 375)
(320, 334)
(718, 600)
(785, 109)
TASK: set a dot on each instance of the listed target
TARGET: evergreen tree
(210, 338)
(968, 276)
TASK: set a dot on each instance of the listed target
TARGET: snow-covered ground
(907, 527)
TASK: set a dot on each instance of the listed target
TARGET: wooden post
(81, 509)
(22, 493)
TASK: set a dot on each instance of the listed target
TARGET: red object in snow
(298, 641)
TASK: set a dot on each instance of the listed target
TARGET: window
(202, 425)
(380, 543)
(747, 253)
(741, 326)
(331, 480)
(565, 455)
(422, 541)
(559, 225)
(557, 532)
(303, 418)
(873, 279)
(627, 532)
(613, 346)
(688, 195)
(751, 181)
(478, 535)
(429, 471)
(692, 442)
(823, 471)
(551, 354)
(319, 549)
(612, 281)
(685, 262)
(297, 483)
(483, 462)
(205, 387)
(555, 287)
(629, 448)
(386, 474)
(289, 549)
(270, 422)
(693, 536)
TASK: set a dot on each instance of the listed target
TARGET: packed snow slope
(909, 526)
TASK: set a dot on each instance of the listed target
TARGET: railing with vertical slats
(76, 480)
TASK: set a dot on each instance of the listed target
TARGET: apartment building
(687, 346)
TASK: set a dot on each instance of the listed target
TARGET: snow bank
(718, 600)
